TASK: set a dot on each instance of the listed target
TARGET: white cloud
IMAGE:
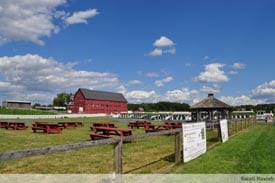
(81, 16)
(134, 82)
(121, 89)
(182, 95)
(232, 72)
(238, 66)
(32, 20)
(160, 83)
(163, 42)
(163, 45)
(265, 91)
(32, 74)
(170, 51)
(138, 96)
(211, 89)
(156, 52)
(212, 74)
(240, 100)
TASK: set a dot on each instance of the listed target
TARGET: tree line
(258, 107)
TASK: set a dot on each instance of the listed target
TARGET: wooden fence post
(178, 148)
(118, 157)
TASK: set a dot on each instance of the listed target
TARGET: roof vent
(210, 94)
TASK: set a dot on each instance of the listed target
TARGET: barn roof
(209, 103)
(102, 95)
(17, 101)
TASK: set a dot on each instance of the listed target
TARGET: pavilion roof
(209, 103)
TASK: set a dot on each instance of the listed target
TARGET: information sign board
(224, 130)
(194, 140)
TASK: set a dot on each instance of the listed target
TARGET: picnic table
(46, 127)
(100, 132)
(173, 125)
(3, 124)
(155, 127)
(67, 124)
(16, 125)
(79, 124)
(137, 124)
(104, 124)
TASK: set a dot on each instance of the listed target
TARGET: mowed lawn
(251, 151)
(142, 156)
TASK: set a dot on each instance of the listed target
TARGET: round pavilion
(210, 109)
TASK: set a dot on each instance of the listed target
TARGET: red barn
(93, 101)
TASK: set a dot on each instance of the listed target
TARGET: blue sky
(150, 51)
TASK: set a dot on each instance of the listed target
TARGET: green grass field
(24, 112)
(142, 156)
(251, 151)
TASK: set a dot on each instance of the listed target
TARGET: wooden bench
(137, 124)
(46, 127)
(16, 126)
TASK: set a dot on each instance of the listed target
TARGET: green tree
(36, 105)
(62, 99)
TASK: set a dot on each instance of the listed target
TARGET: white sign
(224, 130)
(194, 140)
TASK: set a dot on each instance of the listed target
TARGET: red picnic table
(108, 132)
(155, 127)
(137, 124)
(173, 125)
(3, 124)
(103, 124)
(46, 127)
(67, 124)
(16, 125)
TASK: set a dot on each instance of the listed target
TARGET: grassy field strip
(251, 151)
(144, 156)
